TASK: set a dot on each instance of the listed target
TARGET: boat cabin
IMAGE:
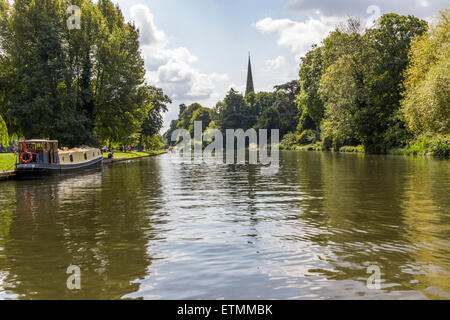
(46, 152)
(39, 151)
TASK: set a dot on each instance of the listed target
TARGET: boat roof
(39, 141)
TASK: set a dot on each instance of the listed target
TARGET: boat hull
(24, 171)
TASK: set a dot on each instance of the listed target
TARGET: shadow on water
(96, 221)
(379, 210)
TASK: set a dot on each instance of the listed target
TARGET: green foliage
(154, 142)
(3, 132)
(426, 106)
(235, 113)
(289, 141)
(168, 134)
(308, 137)
(441, 146)
(420, 147)
(351, 85)
(310, 103)
(390, 42)
(438, 146)
(340, 90)
(156, 103)
(260, 102)
(78, 86)
(312, 147)
(269, 119)
(354, 149)
(262, 110)
(203, 115)
(185, 121)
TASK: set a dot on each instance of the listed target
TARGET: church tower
(250, 87)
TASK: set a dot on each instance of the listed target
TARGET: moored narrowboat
(42, 157)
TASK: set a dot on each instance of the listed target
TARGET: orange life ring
(30, 157)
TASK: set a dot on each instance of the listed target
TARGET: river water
(160, 229)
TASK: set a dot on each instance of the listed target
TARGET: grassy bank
(438, 146)
(318, 147)
(133, 154)
(7, 161)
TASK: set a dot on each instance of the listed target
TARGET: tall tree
(76, 85)
(185, 120)
(342, 84)
(235, 113)
(390, 41)
(203, 115)
(426, 103)
(310, 104)
(120, 73)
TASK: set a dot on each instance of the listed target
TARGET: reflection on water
(162, 229)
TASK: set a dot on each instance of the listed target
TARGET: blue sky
(197, 49)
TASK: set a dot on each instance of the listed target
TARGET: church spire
(250, 87)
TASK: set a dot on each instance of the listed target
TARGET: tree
(78, 86)
(291, 88)
(183, 107)
(360, 86)
(40, 102)
(5, 72)
(259, 102)
(310, 104)
(390, 42)
(286, 104)
(340, 93)
(167, 137)
(154, 142)
(342, 84)
(235, 113)
(156, 103)
(203, 115)
(270, 119)
(185, 121)
(121, 104)
(3, 132)
(426, 103)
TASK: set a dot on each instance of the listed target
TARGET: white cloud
(149, 33)
(222, 77)
(275, 63)
(299, 36)
(172, 68)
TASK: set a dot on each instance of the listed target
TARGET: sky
(196, 50)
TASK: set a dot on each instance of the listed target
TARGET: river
(160, 229)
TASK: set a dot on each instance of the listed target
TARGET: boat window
(71, 158)
(85, 156)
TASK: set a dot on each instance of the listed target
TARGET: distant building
(250, 86)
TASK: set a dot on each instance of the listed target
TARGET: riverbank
(7, 161)
(441, 151)
(125, 156)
